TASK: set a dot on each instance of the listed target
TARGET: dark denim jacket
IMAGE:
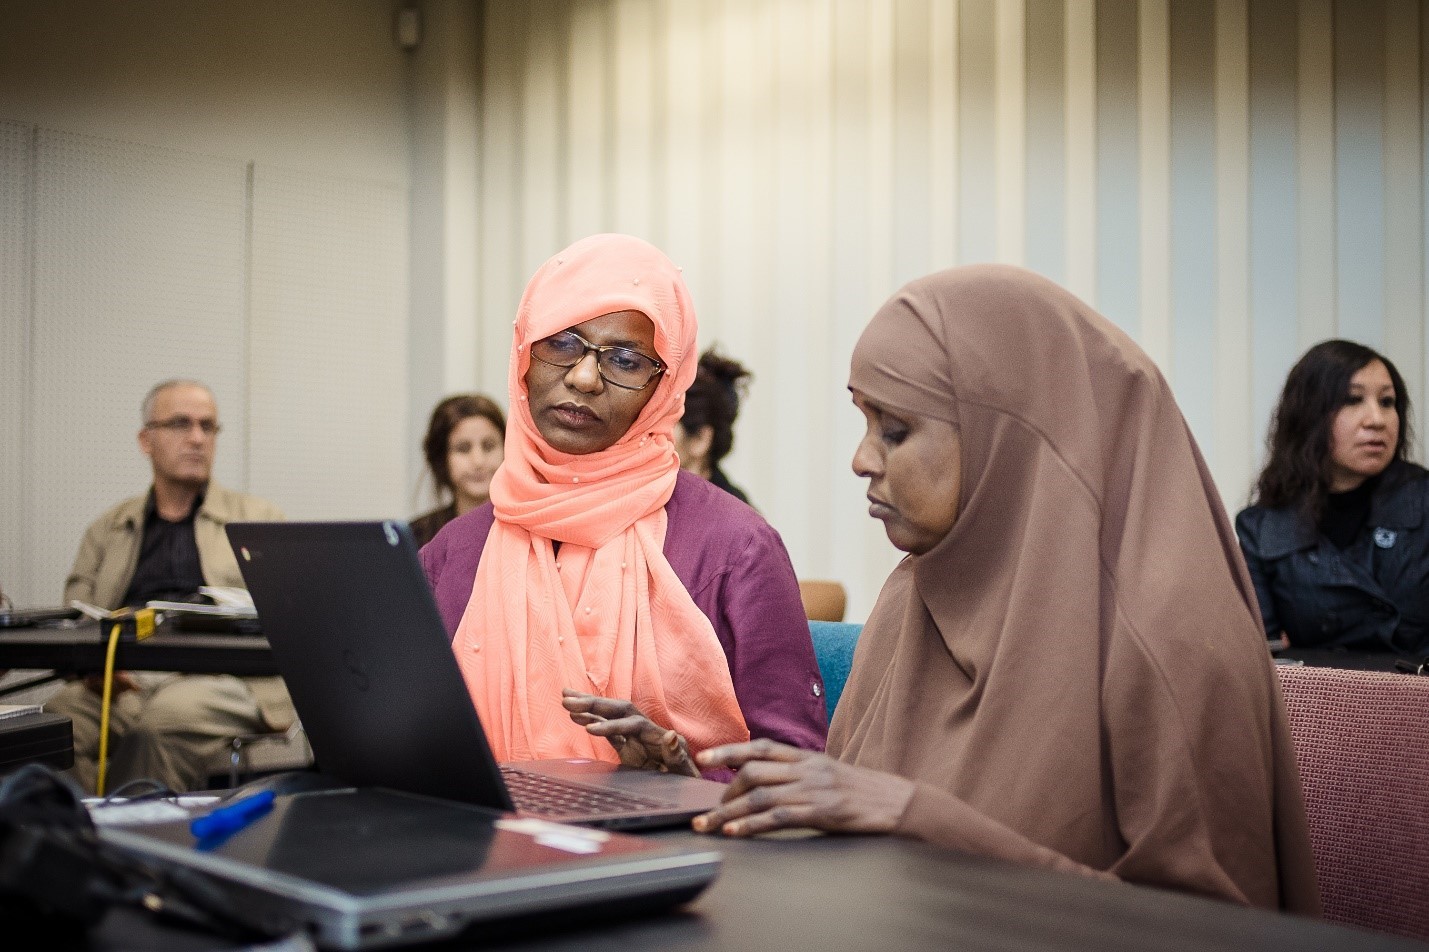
(1371, 596)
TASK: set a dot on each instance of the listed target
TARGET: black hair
(713, 401)
(1297, 472)
(445, 418)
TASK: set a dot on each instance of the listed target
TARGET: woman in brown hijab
(1068, 669)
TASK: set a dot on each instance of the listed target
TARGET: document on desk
(208, 611)
(231, 613)
(228, 602)
(123, 812)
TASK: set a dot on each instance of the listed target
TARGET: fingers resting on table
(779, 786)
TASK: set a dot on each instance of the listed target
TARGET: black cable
(55, 867)
(152, 790)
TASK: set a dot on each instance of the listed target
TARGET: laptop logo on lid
(390, 531)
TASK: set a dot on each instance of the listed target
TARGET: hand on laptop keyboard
(639, 741)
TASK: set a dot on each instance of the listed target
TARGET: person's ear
(146, 441)
(700, 442)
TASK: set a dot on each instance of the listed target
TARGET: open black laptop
(357, 637)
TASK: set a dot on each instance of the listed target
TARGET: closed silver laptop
(365, 868)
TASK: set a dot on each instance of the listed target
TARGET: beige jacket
(109, 555)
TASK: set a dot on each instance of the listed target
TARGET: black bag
(57, 873)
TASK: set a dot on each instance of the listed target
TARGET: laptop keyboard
(541, 795)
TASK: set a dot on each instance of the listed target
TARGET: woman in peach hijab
(1067, 670)
(604, 599)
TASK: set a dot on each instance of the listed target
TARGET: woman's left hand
(781, 786)
(639, 741)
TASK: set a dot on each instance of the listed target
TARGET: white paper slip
(18, 710)
(570, 839)
(228, 596)
(198, 608)
(137, 812)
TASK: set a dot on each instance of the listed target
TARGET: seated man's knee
(200, 704)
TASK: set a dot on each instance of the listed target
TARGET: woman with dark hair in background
(1336, 539)
(705, 433)
(465, 442)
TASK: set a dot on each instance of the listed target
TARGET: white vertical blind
(1229, 180)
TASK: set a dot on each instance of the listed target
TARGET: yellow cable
(104, 709)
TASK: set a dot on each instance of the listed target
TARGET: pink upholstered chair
(1362, 741)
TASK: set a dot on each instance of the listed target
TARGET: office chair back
(1362, 741)
(833, 648)
(823, 600)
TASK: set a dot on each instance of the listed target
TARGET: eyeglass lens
(618, 365)
(182, 424)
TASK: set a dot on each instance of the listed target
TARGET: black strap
(54, 868)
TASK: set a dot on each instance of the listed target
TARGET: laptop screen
(357, 637)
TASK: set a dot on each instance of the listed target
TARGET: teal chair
(834, 642)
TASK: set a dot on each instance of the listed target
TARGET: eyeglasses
(618, 366)
(180, 425)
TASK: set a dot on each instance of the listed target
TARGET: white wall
(314, 85)
(211, 190)
(1229, 180)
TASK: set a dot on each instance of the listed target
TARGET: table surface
(80, 649)
(1338, 658)
(823, 893)
(836, 893)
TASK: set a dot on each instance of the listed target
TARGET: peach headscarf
(609, 616)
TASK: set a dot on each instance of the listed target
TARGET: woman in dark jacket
(1336, 540)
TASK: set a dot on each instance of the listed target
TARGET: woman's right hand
(640, 742)
(780, 786)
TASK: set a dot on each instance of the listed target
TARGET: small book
(233, 603)
(198, 608)
(19, 710)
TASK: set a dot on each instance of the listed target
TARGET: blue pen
(233, 817)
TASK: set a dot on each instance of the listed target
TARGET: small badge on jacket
(1385, 538)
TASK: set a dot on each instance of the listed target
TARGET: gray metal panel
(328, 345)
(138, 277)
(16, 190)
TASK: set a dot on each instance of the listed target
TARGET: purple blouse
(735, 568)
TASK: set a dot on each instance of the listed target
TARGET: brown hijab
(1076, 674)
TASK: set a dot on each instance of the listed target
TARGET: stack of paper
(227, 603)
(18, 710)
